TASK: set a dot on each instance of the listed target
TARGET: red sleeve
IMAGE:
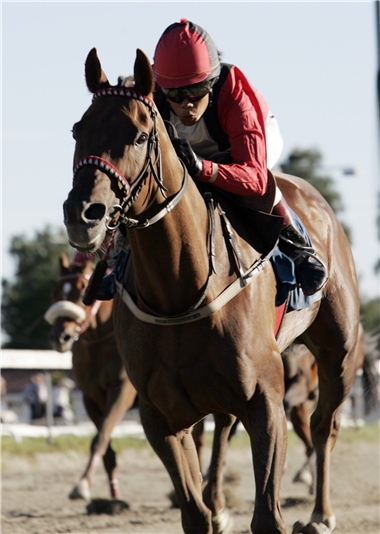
(242, 112)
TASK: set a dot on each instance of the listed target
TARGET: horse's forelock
(126, 81)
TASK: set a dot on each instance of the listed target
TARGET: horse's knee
(100, 444)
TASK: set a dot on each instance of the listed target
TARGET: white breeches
(275, 145)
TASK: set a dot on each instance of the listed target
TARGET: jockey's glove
(185, 153)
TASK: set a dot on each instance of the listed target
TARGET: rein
(131, 191)
(195, 312)
(86, 323)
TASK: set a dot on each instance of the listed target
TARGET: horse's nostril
(95, 212)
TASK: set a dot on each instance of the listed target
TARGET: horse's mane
(126, 81)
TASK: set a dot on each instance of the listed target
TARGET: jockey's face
(189, 112)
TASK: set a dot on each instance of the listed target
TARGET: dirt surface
(35, 493)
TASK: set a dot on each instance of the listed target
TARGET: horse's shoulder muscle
(296, 190)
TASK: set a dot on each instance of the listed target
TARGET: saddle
(264, 229)
(255, 212)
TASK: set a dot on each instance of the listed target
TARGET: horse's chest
(210, 363)
(186, 374)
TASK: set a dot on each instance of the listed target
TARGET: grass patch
(30, 447)
(369, 433)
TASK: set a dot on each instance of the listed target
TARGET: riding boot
(311, 274)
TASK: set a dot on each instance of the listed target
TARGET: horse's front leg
(300, 418)
(199, 440)
(83, 489)
(213, 494)
(265, 422)
(178, 454)
(120, 400)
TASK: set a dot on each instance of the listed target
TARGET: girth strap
(227, 294)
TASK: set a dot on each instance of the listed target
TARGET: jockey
(227, 135)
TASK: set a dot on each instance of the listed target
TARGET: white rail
(35, 359)
(45, 360)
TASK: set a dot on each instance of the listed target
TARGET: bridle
(91, 311)
(152, 166)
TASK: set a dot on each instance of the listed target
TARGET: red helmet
(185, 55)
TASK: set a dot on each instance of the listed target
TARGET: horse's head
(116, 149)
(67, 314)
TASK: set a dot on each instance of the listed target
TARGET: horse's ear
(143, 74)
(95, 77)
(63, 263)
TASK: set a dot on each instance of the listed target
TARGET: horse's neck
(170, 257)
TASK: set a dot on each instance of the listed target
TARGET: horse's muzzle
(85, 224)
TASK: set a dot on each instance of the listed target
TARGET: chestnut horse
(98, 369)
(195, 311)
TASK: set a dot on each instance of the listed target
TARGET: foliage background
(26, 299)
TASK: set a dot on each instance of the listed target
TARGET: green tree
(377, 266)
(308, 164)
(370, 314)
(26, 299)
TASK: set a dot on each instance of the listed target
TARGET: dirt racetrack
(34, 492)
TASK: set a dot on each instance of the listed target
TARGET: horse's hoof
(329, 522)
(304, 476)
(222, 523)
(310, 528)
(81, 491)
(75, 494)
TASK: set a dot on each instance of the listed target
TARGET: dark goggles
(192, 92)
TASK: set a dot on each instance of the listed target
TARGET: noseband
(82, 317)
(152, 162)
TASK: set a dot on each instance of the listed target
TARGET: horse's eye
(142, 139)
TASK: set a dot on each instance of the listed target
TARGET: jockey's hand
(185, 153)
